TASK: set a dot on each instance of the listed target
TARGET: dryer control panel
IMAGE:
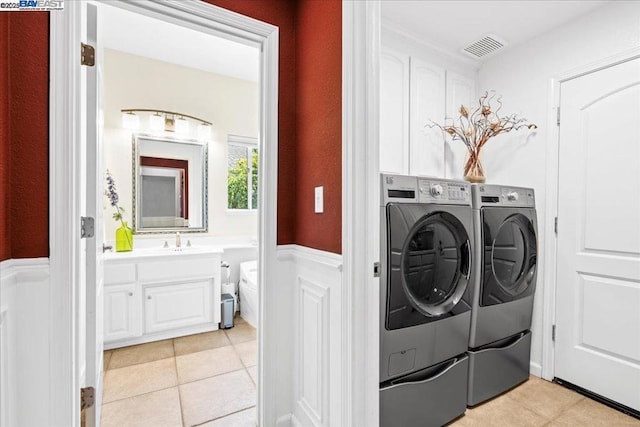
(498, 195)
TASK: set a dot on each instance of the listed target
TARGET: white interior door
(598, 273)
(94, 194)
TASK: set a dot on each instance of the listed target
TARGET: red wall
(29, 86)
(319, 123)
(310, 150)
(5, 147)
(280, 13)
(310, 116)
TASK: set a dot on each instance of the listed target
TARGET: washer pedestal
(498, 367)
(430, 397)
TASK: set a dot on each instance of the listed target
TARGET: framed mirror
(169, 185)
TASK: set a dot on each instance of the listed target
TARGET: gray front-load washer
(425, 294)
(506, 248)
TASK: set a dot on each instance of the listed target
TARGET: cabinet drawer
(157, 271)
(116, 274)
(176, 306)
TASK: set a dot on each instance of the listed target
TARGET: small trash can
(226, 311)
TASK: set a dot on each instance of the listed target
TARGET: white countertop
(163, 252)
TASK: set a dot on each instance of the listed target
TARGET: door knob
(106, 248)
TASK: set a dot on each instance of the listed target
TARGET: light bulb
(181, 126)
(156, 122)
(204, 132)
(130, 121)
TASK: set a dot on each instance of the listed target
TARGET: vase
(473, 171)
(124, 238)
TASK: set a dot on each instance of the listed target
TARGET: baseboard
(295, 422)
(535, 369)
(284, 421)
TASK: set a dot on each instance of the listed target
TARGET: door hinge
(87, 227)
(87, 397)
(553, 333)
(555, 225)
(87, 55)
(376, 269)
(558, 116)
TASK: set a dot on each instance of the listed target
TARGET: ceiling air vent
(485, 46)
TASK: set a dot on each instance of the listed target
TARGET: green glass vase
(124, 238)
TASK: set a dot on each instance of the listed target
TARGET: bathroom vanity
(155, 294)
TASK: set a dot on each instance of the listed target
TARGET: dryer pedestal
(498, 367)
(430, 397)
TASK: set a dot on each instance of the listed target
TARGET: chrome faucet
(178, 242)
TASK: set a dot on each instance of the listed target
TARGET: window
(242, 177)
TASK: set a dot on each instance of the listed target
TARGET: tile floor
(210, 380)
(206, 379)
(538, 403)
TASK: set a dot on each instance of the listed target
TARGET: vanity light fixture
(168, 121)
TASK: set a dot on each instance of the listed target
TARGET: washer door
(431, 274)
(510, 255)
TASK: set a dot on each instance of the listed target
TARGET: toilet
(249, 292)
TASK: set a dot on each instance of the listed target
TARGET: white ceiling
(152, 38)
(452, 25)
(448, 25)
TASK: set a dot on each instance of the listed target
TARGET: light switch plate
(319, 199)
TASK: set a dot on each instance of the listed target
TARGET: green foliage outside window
(238, 183)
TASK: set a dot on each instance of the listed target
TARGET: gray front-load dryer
(506, 248)
(425, 293)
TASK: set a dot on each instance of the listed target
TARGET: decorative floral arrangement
(124, 235)
(475, 128)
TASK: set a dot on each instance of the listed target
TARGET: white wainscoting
(316, 279)
(306, 330)
(24, 342)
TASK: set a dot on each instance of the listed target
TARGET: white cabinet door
(178, 305)
(598, 274)
(394, 112)
(121, 312)
(426, 145)
(460, 91)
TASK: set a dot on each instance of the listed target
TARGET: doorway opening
(181, 143)
(192, 304)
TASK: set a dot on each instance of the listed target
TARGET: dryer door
(509, 256)
(429, 264)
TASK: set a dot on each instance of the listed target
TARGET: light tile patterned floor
(210, 380)
(538, 403)
(205, 379)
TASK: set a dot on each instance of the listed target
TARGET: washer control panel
(443, 191)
